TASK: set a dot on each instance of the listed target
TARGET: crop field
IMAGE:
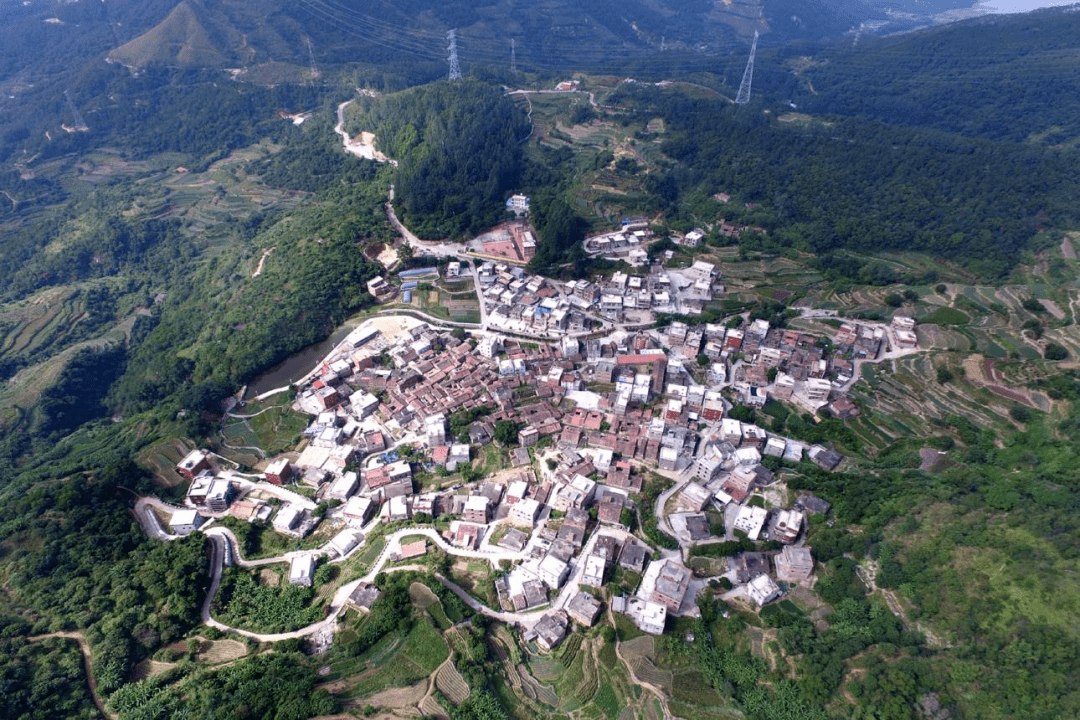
(545, 669)
(47, 321)
(219, 651)
(26, 386)
(422, 596)
(237, 434)
(161, 459)
(149, 668)
(606, 702)
(224, 192)
(568, 651)
(425, 647)
(450, 683)
(692, 687)
(646, 671)
(373, 547)
(430, 707)
(395, 698)
(273, 430)
(763, 277)
(535, 690)
(397, 663)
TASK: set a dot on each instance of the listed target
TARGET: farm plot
(431, 707)
(646, 671)
(149, 668)
(425, 647)
(422, 596)
(545, 669)
(219, 651)
(161, 459)
(417, 656)
(534, 690)
(450, 683)
(398, 697)
(692, 687)
(644, 646)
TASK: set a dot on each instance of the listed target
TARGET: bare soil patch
(399, 697)
(1067, 250)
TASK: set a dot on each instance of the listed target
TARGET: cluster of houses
(527, 304)
(624, 296)
(588, 415)
(628, 243)
(723, 227)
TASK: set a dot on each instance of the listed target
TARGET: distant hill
(546, 33)
(215, 34)
(180, 39)
(1009, 77)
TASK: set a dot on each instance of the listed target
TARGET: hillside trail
(84, 647)
(868, 574)
(658, 692)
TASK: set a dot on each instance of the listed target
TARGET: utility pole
(455, 69)
(513, 56)
(748, 75)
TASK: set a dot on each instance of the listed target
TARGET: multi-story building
(476, 509)
(794, 564)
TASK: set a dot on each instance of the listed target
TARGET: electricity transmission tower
(513, 56)
(311, 55)
(748, 75)
(79, 126)
(455, 69)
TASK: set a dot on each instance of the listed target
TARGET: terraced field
(450, 683)
(161, 459)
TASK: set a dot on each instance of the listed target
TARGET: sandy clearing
(388, 257)
(258, 270)
(391, 326)
(364, 145)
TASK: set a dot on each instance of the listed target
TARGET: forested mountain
(459, 152)
(1000, 77)
(867, 186)
(192, 235)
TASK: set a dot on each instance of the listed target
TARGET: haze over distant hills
(590, 34)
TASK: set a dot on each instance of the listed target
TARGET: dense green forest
(459, 153)
(864, 186)
(1004, 78)
(42, 679)
(279, 685)
(78, 560)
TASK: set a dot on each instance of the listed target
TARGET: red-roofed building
(440, 454)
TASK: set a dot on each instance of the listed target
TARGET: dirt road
(84, 647)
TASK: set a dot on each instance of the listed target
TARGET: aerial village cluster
(584, 420)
